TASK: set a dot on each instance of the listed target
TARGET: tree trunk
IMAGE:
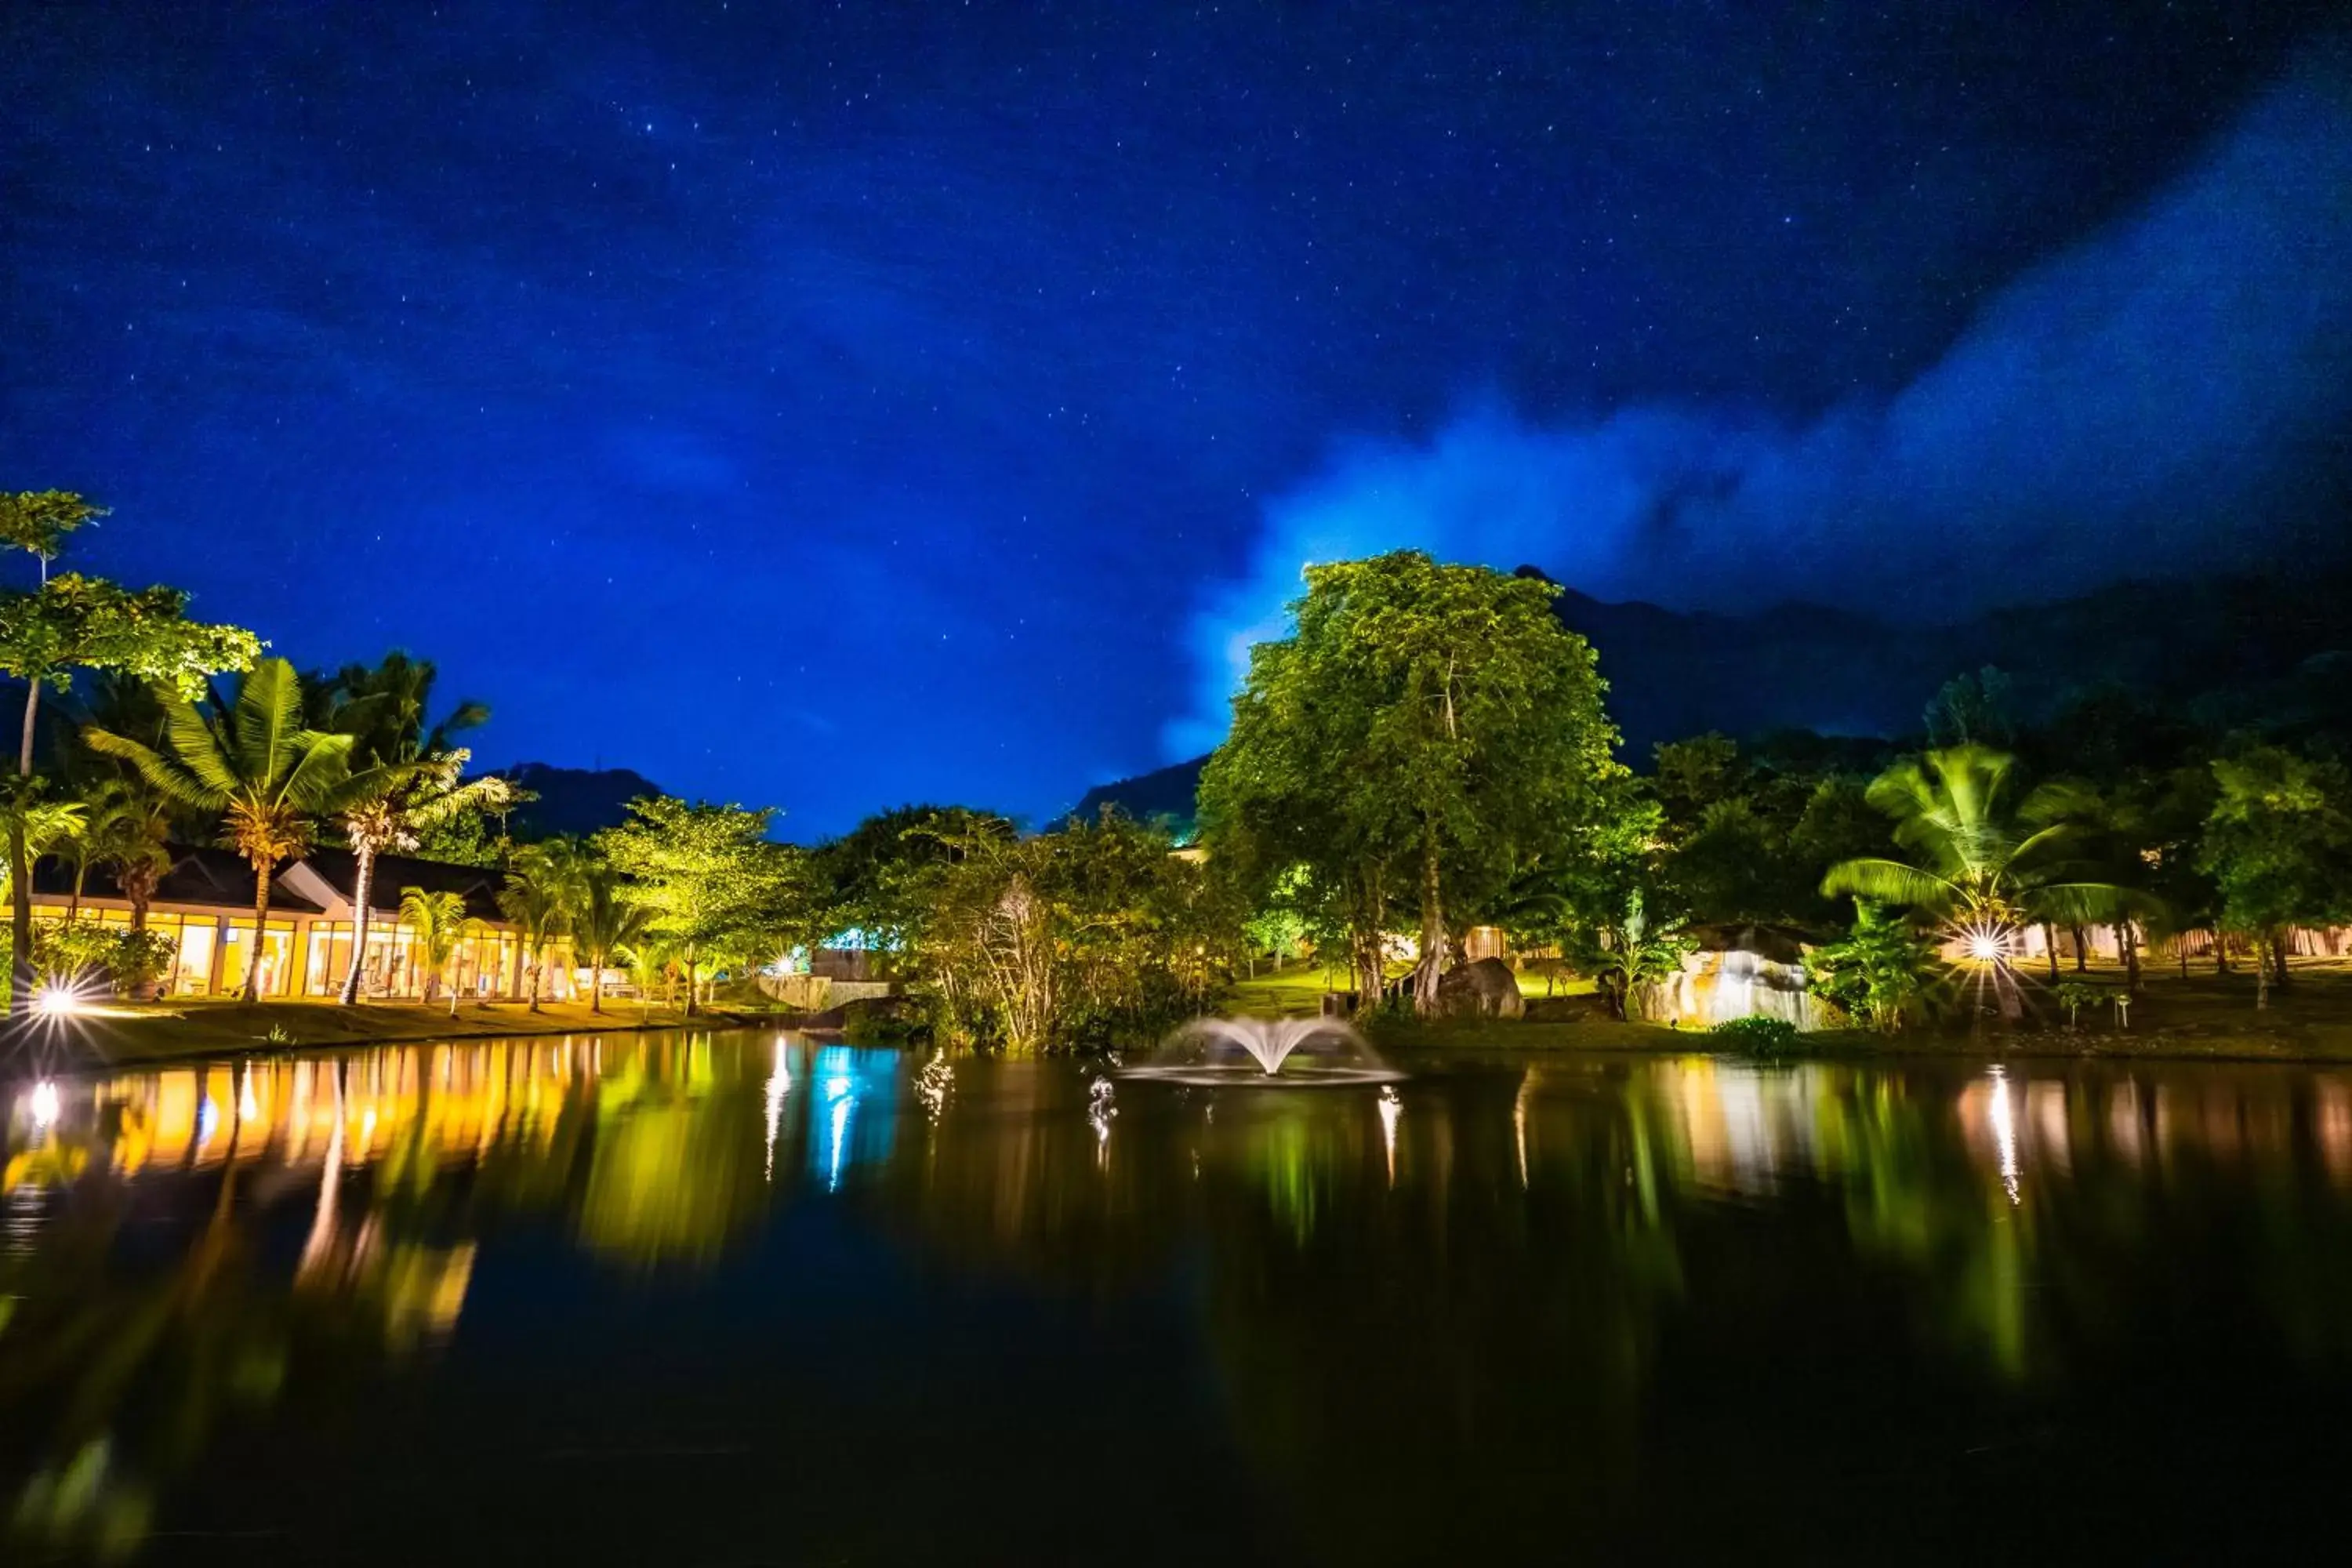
(2261, 970)
(596, 985)
(144, 990)
(73, 899)
(538, 972)
(2278, 957)
(20, 910)
(362, 886)
(2128, 943)
(261, 933)
(32, 709)
(2050, 944)
(2221, 951)
(1432, 932)
(693, 984)
(2082, 951)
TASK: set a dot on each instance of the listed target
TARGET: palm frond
(268, 716)
(169, 779)
(321, 765)
(1890, 881)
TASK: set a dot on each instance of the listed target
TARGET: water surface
(738, 1298)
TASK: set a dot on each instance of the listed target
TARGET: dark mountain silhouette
(1164, 792)
(2228, 651)
(574, 800)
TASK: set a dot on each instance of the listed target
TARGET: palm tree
(34, 825)
(385, 706)
(1985, 870)
(267, 773)
(129, 834)
(604, 920)
(386, 808)
(535, 898)
(439, 922)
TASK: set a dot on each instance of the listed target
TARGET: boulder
(1566, 1009)
(1486, 989)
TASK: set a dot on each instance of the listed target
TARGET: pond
(739, 1297)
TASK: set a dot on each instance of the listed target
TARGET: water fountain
(1285, 1053)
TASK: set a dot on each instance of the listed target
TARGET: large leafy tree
(269, 776)
(1424, 731)
(85, 623)
(2278, 846)
(870, 880)
(717, 886)
(72, 622)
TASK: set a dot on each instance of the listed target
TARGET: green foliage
(1093, 934)
(257, 766)
(63, 949)
(2076, 994)
(438, 921)
(1757, 1035)
(1424, 733)
(2278, 842)
(1623, 949)
(268, 776)
(1693, 775)
(869, 881)
(385, 706)
(1973, 710)
(716, 887)
(37, 522)
(1974, 859)
(605, 917)
(72, 622)
(1882, 969)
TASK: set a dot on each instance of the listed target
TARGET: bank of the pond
(124, 1033)
(2283, 1043)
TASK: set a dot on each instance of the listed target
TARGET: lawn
(2201, 1014)
(1297, 989)
(136, 1032)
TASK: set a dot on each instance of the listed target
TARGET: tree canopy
(1424, 731)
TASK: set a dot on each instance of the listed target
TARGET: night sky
(834, 406)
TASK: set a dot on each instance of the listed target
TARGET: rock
(1565, 1009)
(1486, 989)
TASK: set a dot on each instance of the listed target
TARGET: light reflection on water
(1559, 1260)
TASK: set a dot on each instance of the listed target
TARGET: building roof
(205, 877)
(478, 885)
(201, 876)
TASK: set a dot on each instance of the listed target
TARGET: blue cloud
(2170, 393)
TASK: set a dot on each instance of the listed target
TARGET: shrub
(2076, 994)
(1757, 1035)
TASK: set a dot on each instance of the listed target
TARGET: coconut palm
(1985, 869)
(385, 706)
(130, 836)
(534, 899)
(440, 922)
(604, 920)
(269, 776)
(387, 807)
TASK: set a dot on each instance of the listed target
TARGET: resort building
(205, 904)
